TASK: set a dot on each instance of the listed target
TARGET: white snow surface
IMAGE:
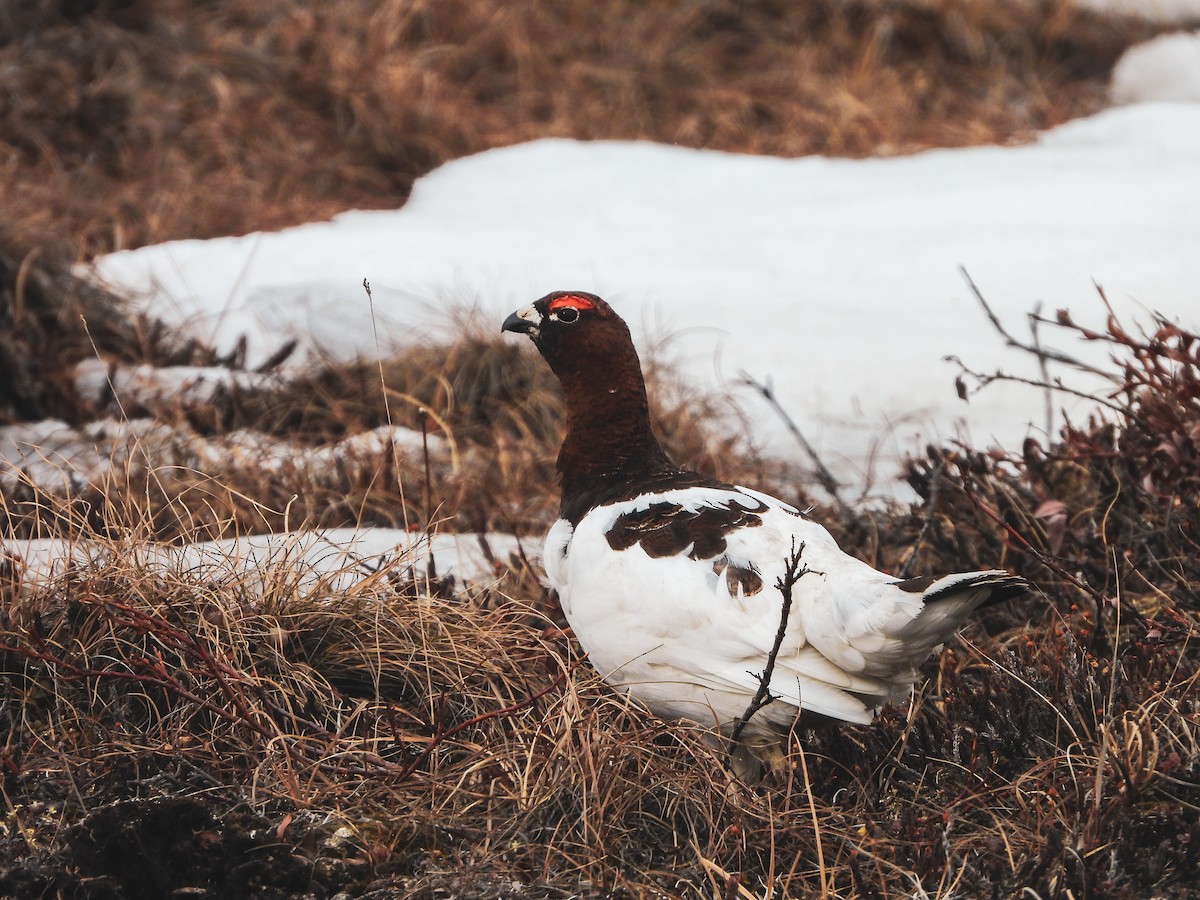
(1166, 68)
(155, 386)
(326, 563)
(61, 459)
(836, 279)
(1166, 11)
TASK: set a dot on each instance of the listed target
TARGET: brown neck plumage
(610, 449)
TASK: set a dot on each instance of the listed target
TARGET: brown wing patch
(743, 578)
(667, 529)
(916, 585)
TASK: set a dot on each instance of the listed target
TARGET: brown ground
(161, 737)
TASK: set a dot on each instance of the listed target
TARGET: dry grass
(418, 739)
(159, 731)
(125, 123)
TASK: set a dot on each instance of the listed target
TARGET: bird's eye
(567, 314)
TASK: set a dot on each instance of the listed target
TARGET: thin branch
(1056, 385)
(825, 478)
(505, 712)
(1043, 367)
(793, 572)
(1042, 353)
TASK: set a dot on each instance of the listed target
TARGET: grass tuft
(166, 728)
(170, 731)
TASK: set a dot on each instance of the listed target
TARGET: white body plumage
(690, 642)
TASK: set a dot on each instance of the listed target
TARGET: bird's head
(610, 443)
(572, 329)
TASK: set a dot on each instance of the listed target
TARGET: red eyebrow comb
(572, 300)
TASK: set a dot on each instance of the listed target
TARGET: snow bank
(1151, 10)
(154, 386)
(1166, 69)
(59, 459)
(836, 278)
(325, 563)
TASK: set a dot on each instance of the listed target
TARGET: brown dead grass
(407, 738)
(162, 732)
(125, 123)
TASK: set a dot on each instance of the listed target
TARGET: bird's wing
(686, 584)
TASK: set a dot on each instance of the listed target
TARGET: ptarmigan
(670, 580)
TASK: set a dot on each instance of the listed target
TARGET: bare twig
(985, 379)
(825, 478)
(793, 572)
(1043, 367)
(1042, 353)
(505, 712)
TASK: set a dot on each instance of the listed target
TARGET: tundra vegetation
(415, 735)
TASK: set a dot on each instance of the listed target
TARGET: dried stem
(1036, 349)
(824, 477)
(793, 572)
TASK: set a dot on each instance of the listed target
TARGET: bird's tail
(950, 601)
(996, 584)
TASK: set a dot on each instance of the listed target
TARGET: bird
(680, 588)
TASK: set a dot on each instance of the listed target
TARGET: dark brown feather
(667, 529)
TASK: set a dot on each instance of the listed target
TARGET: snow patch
(324, 563)
(1150, 10)
(59, 459)
(155, 386)
(1165, 69)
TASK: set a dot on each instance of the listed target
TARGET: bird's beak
(526, 320)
